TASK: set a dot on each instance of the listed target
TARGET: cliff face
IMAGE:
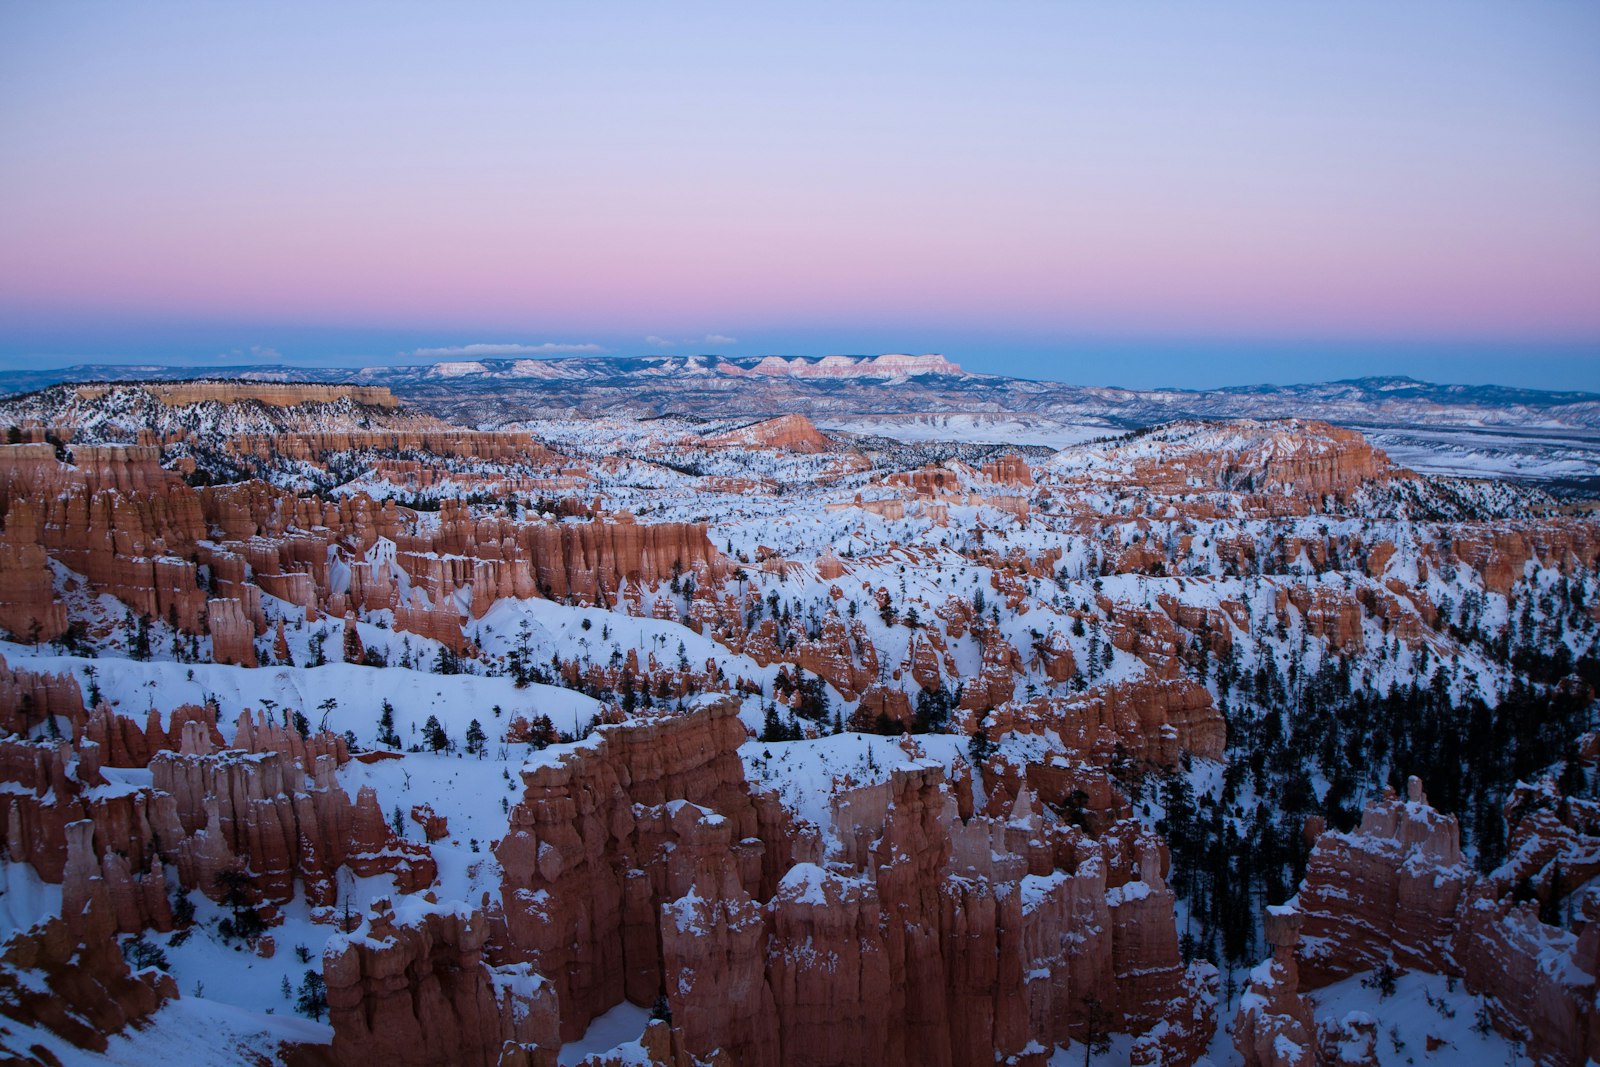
(1153, 721)
(640, 863)
(1388, 890)
(137, 532)
(75, 984)
(494, 447)
(256, 807)
(418, 992)
(1396, 892)
(28, 698)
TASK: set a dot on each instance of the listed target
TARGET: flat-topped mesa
(275, 394)
(788, 433)
(893, 365)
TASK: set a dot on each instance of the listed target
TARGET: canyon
(359, 734)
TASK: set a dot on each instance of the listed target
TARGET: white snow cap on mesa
(893, 365)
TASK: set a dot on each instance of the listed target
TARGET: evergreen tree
(433, 734)
(386, 731)
(313, 999)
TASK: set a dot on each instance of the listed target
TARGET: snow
(25, 899)
(793, 509)
(1424, 1007)
(804, 885)
(977, 428)
(620, 1026)
(802, 772)
(190, 1030)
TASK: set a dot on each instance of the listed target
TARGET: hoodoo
(643, 741)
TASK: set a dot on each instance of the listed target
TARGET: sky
(1137, 194)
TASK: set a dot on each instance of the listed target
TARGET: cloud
(549, 348)
(658, 342)
(720, 339)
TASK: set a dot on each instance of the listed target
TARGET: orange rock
(787, 433)
(418, 993)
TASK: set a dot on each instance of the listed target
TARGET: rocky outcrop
(787, 433)
(1153, 721)
(286, 823)
(1010, 469)
(586, 874)
(75, 984)
(254, 807)
(93, 887)
(639, 865)
(842, 654)
(28, 698)
(1275, 1027)
(1395, 892)
(29, 610)
(1387, 892)
(233, 633)
(1280, 467)
(121, 742)
(417, 991)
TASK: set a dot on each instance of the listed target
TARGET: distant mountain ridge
(501, 391)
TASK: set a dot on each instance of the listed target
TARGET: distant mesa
(892, 365)
(886, 366)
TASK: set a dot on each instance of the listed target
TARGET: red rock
(1275, 1027)
(27, 698)
(787, 433)
(419, 993)
(625, 878)
(434, 826)
(76, 986)
(232, 633)
(1387, 891)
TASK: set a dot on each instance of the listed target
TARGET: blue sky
(1141, 194)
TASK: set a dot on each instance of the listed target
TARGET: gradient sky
(1142, 193)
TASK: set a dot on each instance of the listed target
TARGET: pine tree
(433, 734)
(313, 999)
(386, 731)
(772, 728)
